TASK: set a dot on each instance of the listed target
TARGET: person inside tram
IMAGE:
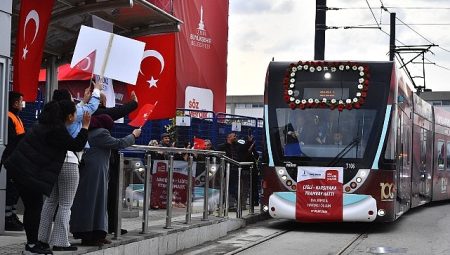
(337, 138)
(292, 143)
(320, 136)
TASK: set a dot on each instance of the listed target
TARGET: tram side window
(440, 154)
(423, 145)
(448, 155)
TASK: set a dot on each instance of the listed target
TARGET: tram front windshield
(325, 133)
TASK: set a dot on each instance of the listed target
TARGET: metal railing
(224, 168)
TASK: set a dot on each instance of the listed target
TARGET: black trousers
(112, 190)
(32, 201)
(12, 195)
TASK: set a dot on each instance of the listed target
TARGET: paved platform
(159, 240)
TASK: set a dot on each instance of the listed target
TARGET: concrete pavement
(159, 240)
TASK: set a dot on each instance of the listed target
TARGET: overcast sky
(284, 30)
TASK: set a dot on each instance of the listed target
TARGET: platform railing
(211, 158)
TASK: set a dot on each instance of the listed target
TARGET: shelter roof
(131, 18)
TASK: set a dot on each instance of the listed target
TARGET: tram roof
(131, 18)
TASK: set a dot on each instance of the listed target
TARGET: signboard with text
(159, 182)
(319, 194)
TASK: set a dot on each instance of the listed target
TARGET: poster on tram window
(180, 183)
(319, 194)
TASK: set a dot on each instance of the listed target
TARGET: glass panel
(448, 155)
(440, 154)
(324, 133)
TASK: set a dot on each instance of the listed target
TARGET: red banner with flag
(34, 17)
(156, 80)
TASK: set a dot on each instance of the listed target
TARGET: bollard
(119, 198)
(206, 189)
(189, 191)
(169, 194)
(147, 189)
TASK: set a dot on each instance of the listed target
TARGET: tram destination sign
(328, 93)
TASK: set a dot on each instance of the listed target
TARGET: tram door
(425, 165)
(403, 162)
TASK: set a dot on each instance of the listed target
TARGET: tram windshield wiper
(344, 151)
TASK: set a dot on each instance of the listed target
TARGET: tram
(350, 142)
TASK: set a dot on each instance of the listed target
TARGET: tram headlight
(265, 208)
(381, 212)
(327, 76)
(281, 172)
(284, 177)
(358, 180)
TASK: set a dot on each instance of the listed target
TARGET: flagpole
(108, 50)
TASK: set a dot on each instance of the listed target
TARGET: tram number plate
(350, 165)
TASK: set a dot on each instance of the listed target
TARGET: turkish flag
(87, 63)
(34, 17)
(156, 80)
(143, 115)
(199, 143)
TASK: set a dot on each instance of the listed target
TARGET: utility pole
(319, 39)
(392, 38)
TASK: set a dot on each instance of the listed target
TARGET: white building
(251, 106)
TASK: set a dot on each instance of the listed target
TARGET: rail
(211, 158)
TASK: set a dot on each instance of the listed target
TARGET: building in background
(251, 106)
(437, 98)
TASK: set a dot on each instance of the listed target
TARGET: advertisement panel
(319, 194)
(159, 183)
(201, 51)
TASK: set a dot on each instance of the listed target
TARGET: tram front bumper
(356, 207)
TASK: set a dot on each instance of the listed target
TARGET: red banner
(156, 83)
(34, 17)
(319, 194)
(159, 183)
(202, 50)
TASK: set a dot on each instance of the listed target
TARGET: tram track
(350, 243)
(260, 241)
(346, 248)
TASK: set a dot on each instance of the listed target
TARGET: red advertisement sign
(201, 50)
(159, 183)
(319, 194)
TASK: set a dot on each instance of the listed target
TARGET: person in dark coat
(36, 163)
(89, 219)
(16, 131)
(239, 152)
(115, 113)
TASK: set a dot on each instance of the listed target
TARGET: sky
(260, 30)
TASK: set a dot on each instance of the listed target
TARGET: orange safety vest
(17, 123)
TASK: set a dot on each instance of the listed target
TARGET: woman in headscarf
(89, 220)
